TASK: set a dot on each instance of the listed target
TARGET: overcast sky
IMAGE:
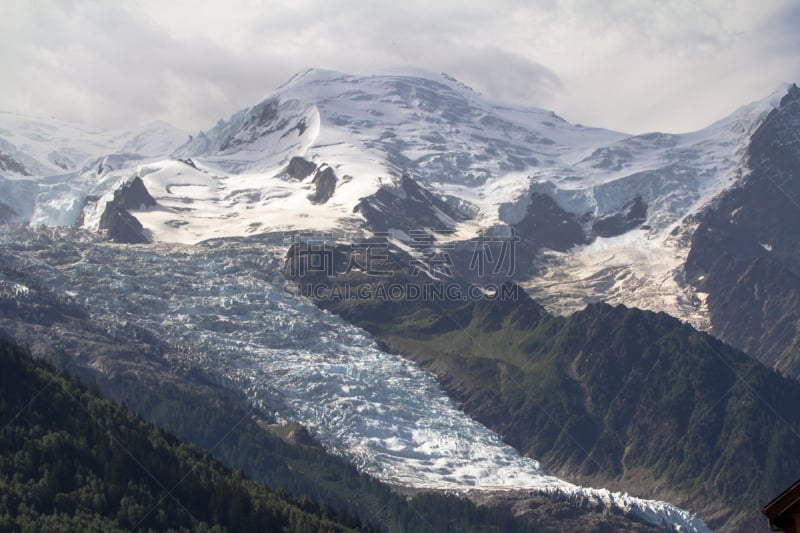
(630, 65)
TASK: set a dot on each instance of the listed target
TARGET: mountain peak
(311, 75)
(791, 96)
(315, 75)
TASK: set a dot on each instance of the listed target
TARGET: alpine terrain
(399, 272)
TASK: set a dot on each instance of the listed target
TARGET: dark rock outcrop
(120, 226)
(292, 434)
(117, 223)
(133, 195)
(299, 168)
(188, 161)
(546, 225)
(632, 215)
(9, 164)
(262, 119)
(745, 252)
(324, 184)
(410, 207)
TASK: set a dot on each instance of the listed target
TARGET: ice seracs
(225, 308)
(51, 165)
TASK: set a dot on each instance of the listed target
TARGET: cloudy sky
(630, 65)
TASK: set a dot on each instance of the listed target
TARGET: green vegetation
(610, 395)
(71, 461)
(307, 472)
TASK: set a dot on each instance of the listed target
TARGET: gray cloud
(625, 64)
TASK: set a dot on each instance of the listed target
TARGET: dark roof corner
(783, 509)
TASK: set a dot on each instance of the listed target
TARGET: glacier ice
(231, 312)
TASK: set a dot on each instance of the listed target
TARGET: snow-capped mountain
(329, 151)
(48, 167)
(600, 215)
(745, 253)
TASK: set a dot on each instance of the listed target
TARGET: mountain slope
(131, 365)
(746, 251)
(620, 397)
(438, 170)
(223, 314)
(48, 167)
(604, 216)
(69, 460)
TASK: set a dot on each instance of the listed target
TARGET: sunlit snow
(371, 129)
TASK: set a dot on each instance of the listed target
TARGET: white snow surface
(228, 310)
(370, 129)
(58, 163)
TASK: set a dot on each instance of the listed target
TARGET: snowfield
(484, 156)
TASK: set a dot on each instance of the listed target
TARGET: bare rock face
(632, 215)
(324, 184)
(261, 120)
(299, 168)
(408, 206)
(746, 250)
(293, 433)
(324, 178)
(300, 435)
(10, 164)
(119, 225)
(133, 195)
(546, 225)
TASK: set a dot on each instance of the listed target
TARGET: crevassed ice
(229, 306)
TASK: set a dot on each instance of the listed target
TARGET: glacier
(226, 308)
(212, 288)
